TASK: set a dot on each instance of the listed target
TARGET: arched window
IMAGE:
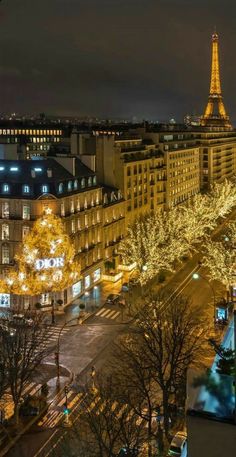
(69, 185)
(94, 180)
(76, 184)
(44, 188)
(82, 183)
(90, 181)
(6, 188)
(5, 231)
(60, 188)
(5, 253)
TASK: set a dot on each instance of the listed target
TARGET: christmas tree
(45, 262)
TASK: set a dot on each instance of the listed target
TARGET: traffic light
(66, 410)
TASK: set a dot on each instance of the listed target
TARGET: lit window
(44, 189)
(5, 188)
(94, 180)
(60, 188)
(62, 209)
(26, 212)
(5, 232)
(90, 181)
(76, 184)
(5, 254)
(69, 186)
(14, 169)
(82, 182)
(26, 189)
(5, 210)
(73, 226)
(2, 168)
(25, 231)
(72, 206)
(38, 169)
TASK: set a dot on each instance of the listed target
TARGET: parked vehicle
(134, 452)
(125, 287)
(178, 445)
(112, 299)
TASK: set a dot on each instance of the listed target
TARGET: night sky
(114, 58)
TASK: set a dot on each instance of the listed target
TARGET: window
(26, 189)
(5, 188)
(94, 180)
(25, 231)
(87, 282)
(62, 209)
(90, 181)
(69, 185)
(97, 275)
(82, 182)
(14, 168)
(76, 288)
(26, 212)
(73, 226)
(45, 188)
(5, 300)
(5, 210)
(76, 184)
(72, 206)
(60, 188)
(5, 254)
(5, 232)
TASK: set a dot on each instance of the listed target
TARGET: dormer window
(76, 184)
(60, 188)
(94, 180)
(6, 188)
(90, 181)
(82, 183)
(26, 189)
(69, 186)
(45, 189)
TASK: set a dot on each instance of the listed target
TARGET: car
(125, 287)
(124, 451)
(112, 299)
(178, 445)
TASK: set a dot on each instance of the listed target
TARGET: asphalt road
(89, 344)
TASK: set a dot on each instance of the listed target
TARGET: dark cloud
(144, 58)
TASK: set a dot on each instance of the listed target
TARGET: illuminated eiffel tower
(215, 114)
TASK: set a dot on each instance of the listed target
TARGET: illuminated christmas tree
(45, 262)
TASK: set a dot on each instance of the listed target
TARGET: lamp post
(200, 276)
(95, 295)
(53, 312)
(57, 353)
(144, 268)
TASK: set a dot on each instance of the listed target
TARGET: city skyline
(113, 60)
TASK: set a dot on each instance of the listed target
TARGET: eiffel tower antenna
(215, 114)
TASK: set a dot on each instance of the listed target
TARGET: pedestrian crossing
(54, 331)
(55, 416)
(6, 402)
(108, 313)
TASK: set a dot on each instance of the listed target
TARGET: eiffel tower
(215, 114)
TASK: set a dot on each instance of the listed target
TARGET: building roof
(57, 177)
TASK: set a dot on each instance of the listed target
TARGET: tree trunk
(165, 398)
(16, 413)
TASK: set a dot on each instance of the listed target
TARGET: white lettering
(54, 262)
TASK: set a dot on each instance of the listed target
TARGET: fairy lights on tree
(46, 261)
(158, 240)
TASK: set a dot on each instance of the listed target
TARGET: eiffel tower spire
(215, 114)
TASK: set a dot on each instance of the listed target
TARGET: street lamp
(200, 276)
(95, 295)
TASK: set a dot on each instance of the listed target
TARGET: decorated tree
(220, 257)
(45, 262)
(157, 240)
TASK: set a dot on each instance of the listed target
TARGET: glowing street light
(197, 276)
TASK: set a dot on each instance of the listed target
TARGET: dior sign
(54, 262)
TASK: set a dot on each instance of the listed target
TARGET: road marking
(75, 399)
(104, 313)
(99, 312)
(111, 313)
(115, 315)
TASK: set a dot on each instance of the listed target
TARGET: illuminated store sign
(45, 264)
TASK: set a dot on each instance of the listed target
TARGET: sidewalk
(46, 373)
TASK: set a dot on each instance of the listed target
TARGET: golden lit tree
(45, 262)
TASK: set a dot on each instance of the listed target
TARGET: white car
(178, 446)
